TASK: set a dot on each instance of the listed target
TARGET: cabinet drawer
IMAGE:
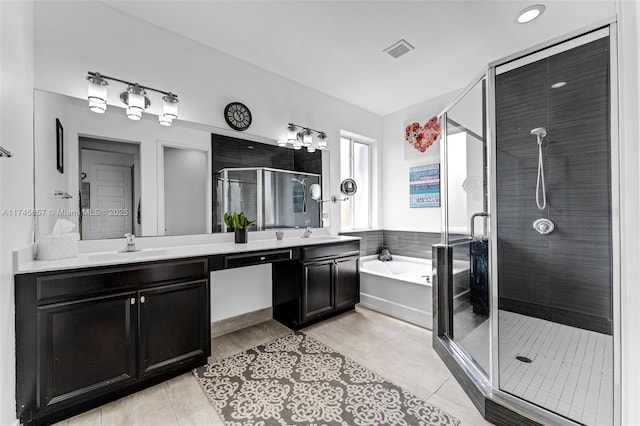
(330, 250)
(236, 260)
(59, 287)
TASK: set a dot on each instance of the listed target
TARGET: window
(355, 163)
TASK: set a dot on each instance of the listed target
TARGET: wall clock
(237, 116)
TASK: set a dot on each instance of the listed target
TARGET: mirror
(134, 176)
(348, 187)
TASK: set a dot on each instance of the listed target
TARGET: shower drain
(524, 359)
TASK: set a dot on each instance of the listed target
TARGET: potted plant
(239, 223)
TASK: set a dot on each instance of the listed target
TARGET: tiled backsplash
(402, 243)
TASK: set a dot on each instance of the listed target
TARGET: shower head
(540, 132)
(301, 182)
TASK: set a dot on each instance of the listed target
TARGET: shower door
(466, 226)
(553, 245)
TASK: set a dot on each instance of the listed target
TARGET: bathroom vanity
(95, 328)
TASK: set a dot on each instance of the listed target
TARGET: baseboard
(229, 325)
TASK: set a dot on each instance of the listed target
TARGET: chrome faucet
(130, 242)
(307, 231)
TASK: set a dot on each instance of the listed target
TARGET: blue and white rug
(296, 380)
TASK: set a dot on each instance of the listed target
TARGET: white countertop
(113, 257)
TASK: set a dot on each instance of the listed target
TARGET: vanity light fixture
(135, 98)
(530, 13)
(300, 136)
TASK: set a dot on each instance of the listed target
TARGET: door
(174, 325)
(86, 348)
(347, 282)
(466, 204)
(110, 202)
(317, 286)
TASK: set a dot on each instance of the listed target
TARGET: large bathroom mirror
(125, 176)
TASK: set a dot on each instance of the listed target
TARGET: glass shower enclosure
(526, 271)
(273, 198)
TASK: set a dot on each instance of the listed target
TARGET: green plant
(236, 220)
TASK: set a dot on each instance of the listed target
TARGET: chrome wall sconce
(135, 98)
(299, 136)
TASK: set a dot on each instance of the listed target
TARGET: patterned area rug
(296, 380)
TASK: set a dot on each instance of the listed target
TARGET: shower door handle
(473, 224)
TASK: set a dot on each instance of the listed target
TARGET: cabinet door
(347, 282)
(317, 289)
(174, 325)
(86, 347)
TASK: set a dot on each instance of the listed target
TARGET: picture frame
(59, 146)
(424, 186)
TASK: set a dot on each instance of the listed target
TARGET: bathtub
(401, 288)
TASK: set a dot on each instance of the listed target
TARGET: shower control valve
(544, 226)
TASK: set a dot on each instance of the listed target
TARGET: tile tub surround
(397, 351)
(402, 243)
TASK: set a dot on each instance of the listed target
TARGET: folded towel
(385, 255)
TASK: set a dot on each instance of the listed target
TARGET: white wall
(629, 67)
(70, 41)
(16, 174)
(394, 196)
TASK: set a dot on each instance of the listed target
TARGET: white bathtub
(401, 287)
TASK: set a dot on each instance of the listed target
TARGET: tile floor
(571, 372)
(396, 350)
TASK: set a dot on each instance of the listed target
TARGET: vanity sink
(124, 255)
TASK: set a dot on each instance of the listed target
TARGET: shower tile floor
(571, 372)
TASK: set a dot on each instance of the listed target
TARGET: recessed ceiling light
(530, 13)
(558, 84)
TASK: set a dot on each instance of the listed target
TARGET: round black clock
(237, 116)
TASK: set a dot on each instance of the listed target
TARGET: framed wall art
(424, 186)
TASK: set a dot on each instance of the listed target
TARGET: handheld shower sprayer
(303, 183)
(543, 225)
(541, 133)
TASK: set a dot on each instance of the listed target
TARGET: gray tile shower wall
(564, 276)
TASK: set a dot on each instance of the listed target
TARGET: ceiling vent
(398, 49)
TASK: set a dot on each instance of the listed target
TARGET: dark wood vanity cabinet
(88, 336)
(323, 283)
(317, 289)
